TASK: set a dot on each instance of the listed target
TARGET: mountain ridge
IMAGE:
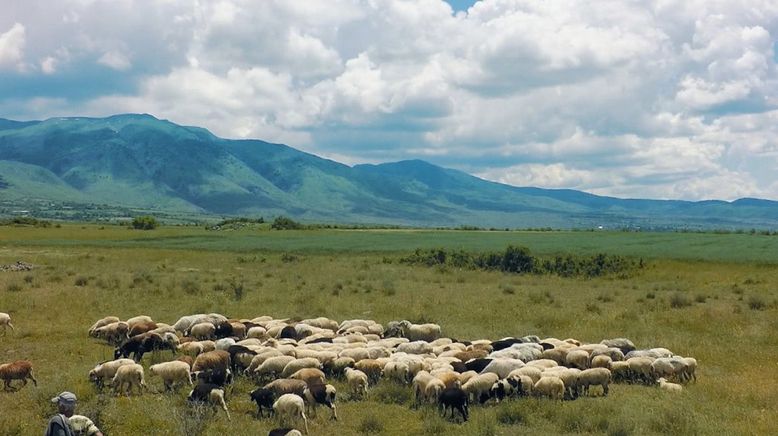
(139, 161)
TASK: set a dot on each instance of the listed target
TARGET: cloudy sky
(631, 98)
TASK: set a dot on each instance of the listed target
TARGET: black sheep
(453, 398)
(264, 398)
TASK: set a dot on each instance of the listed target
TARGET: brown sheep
(19, 370)
(372, 368)
(187, 359)
(217, 359)
(309, 375)
(464, 356)
(142, 327)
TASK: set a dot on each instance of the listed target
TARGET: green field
(712, 297)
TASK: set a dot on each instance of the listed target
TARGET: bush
(756, 302)
(370, 424)
(511, 414)
(391, 393)
(679, 300)
(285, 223)
(145, 222)
(190, 287)
(81, 281)
(13, 287)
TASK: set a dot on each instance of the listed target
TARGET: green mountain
(138, 162)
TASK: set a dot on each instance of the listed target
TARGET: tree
(144, 222)
(285, 223)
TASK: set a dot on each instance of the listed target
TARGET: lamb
(502, 367)
(298, 364)
(594, 377)
(131, 375)
(291, 407)
(5, 322)
(209, 393)
(217, 359)
(454, 398)
(669, 387)
(99, 323)
(172, 372)
(357, 381)
(550, 386)
(478, 387)
(321, 394)
(18, 370)
(106, 370)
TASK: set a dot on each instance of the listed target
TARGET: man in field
(66, 423)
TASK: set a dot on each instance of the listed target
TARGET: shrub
(28, 278)
(13, 287)
(370, 424)
(285, 223)
(391, 393)
(511, 414)
(144, 222)
(756, 302)
(190, 287)
(679, 300)
(81, 281)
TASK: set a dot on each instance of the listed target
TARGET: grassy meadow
(712, 297)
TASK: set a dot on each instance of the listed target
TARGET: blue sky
(658, 99)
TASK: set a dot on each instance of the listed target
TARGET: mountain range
(139, 162)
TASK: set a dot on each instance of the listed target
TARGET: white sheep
(669, 387)
(172, 373)
(203, 330)
(357, 381)
(107, 370)
(5, 322)
(419, 384)
(601, 361)
(477, 388)
(272, 366)
(224, 343)
(415, 347)
(298, 364)
(577, 359)
(502, 367)
(140, 319)
(99, 323)
(291, 407)
(82, 425)
(257, 332)
(594, 377)
(529, 371)
(397, 371)
(550, 386)
(420, 332)
(691, 369)
(433, 390)
(132, 375)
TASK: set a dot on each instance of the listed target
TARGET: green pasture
(712, 297)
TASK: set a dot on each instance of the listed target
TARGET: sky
(669, 99)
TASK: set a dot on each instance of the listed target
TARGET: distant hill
(140, 162)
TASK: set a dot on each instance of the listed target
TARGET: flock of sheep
(291, 361)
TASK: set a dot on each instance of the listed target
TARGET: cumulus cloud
(12, 47)
(662, 98)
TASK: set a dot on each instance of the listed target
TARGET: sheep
(620, 371)
(99, 323)
(185, 322)
(322, 322)
(217, 359)
(577, 359)
(284, 432)
(669, 387)
(640, 369)
(191, 348)
(614, 353)
(416, 347)
(529, 371)
(272, 366)
(224, 343)
(624, 344)
(420, 332)
(240, 356)
(140, 319)
(260, 358)
(601, 361)
(204, 330)
(357, 354)
(501, 389)
(18, 370)
(477, 365)
(106, 370)
(219, 377)
(569, 377)
(338, 366)
(5, 322)
(450, 379)
(357, 381)
(522, 384)
(238, 329)
(141, 344)
(82, 425)
(502, 367)
(454, 398)
(594, 377)
(316, 394)
(141, 327)
(172, 372)
(464, 356)
(419, 384)
(372, 368)
(113, 333)
(691, 369)
(309, 375)
(397, 371)
(132, 375)
(478, 387)
(543, 363)
(186, 359)
(210, 393)
(667, 367)
(291, 407)
(298, 364)
(550, 386)
(433, 389)
(257, 332)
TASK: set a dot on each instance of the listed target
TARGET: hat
(65, 398)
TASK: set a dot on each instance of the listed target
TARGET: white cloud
(662, 98)
(12, 48)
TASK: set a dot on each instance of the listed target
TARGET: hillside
(138, 162)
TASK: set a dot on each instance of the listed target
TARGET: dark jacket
(58, 426)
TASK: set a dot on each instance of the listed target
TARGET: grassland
(713, 297)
